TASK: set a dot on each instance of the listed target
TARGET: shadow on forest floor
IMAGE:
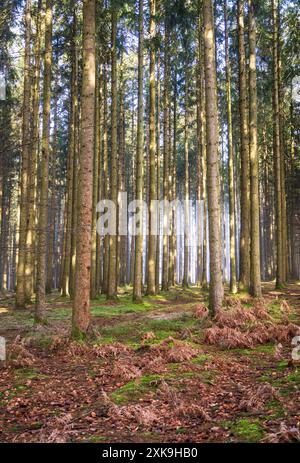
(158, 371)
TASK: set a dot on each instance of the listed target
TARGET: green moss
(112, 311)
(59, 314)
(160, 335)
(247, 430)
(78, 335)
(26, 373)
(43, 342)
(151, 436)
(134, 390)
(36, 425)
(95, 438)
(16, 391)
(181, 430)
(200, 359)
(170, 325)
(131, 332)
(275, 408)
(290, 383)
(266, 348)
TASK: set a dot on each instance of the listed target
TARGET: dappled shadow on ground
(159, 371)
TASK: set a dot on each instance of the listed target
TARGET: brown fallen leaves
(242, 327)
(285, 434)
(68, 395)
(254, 399)
(19, 355)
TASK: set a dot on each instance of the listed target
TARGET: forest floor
(159, 371)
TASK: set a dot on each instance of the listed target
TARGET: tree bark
(233, 284)
(66, 277)
(255, 278)
(32, 193)
(280, 277)
(137, 282)
(43, 205)
(151, 288)
(21, 299)
(166, 160)
(216, 291)
(112, 267)
(158, 175)
(185, 281)
(244, 276)
(81, 309)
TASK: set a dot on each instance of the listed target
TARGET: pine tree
(244, 147)
(216, 291)
(32, 193)
(21, 275)
(151, 257)
(137, 283)
(112, 266)
(233, 285)
(43, 200)
(255, 279)
(166, 158)
(81, 314)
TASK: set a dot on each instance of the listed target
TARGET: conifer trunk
(21, 275)
(244, 276)
(166, 158)
(216, 291)
(233, 285)
(151, 288)
(32, 193)
(255, 279)
(137, 282)
(43, 202)
(112, 267)
(81, 309)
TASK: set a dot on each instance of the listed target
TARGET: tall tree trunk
(32, 193)
(185, 281)
(166, 186)
(112, 268)
(53, 202)
(137, 283)
(81, 305)
(122, 261)
(99, 243)
(21, 276)
(233, 285)
(216, 291)
(244, 276)
(280, 277)
(66, 277)
(173, 178)
(106, 180)
(158, 176)
(75, 188)
(94, 288)
(255, 279)
(203, 166)
(199, 148)
(43, 205)
(151, 289)
(282, 151)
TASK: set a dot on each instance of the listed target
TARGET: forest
(149, 221)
